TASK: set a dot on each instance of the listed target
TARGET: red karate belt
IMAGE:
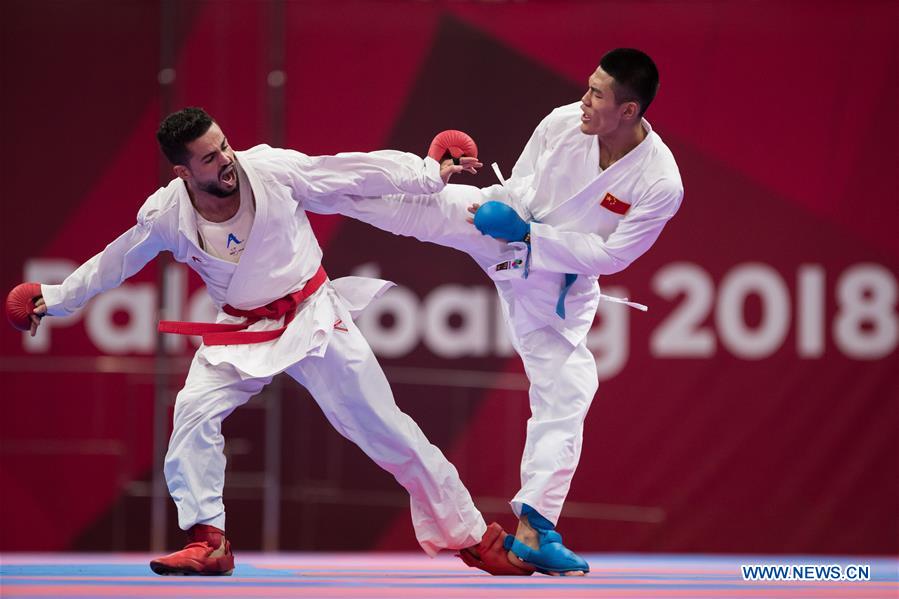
(215, 333)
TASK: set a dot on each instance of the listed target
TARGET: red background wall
(710, 436)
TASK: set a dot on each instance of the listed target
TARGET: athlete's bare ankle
(221, 550)
(526, 534)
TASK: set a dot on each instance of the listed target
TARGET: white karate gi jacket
(281, 252)
(556, 184)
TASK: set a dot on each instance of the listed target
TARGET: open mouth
(229, 175)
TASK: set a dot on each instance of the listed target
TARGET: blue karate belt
(569, 281)
(560, 304)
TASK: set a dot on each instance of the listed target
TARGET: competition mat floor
(395, 575)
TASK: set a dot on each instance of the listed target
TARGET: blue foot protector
(552, 557)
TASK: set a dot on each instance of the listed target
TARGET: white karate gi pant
(348, 384)
(563, 377)
(563, 382)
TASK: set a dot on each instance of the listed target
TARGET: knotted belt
(215, 333)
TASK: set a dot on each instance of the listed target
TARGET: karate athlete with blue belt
(590, 193)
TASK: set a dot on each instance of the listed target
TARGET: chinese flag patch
(612, 203)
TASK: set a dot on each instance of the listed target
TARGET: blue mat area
(414, 575)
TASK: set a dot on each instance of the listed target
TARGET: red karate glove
(20, 304)
(452, 144)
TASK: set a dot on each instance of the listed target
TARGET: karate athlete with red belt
(238, 219)
(590, 193)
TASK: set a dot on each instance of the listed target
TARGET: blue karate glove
(500, 221)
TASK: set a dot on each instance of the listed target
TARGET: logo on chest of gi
(232, 237)
(610, 202)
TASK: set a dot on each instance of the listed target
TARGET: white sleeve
(587, 254)
(313, 178)
(427, 217)
(119, 260)
(527, 161)
(520, 181)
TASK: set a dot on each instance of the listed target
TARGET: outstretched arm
(314, 178)
(370, 173)
(122, 258)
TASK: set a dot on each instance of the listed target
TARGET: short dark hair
(635, 74)
(180, 128)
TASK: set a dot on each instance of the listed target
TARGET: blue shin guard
(552, 557)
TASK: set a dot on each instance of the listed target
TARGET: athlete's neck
(615, 145)
(213, 208)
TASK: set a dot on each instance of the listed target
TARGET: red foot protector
(20, 304)
(207, 553)
(452, 142)
(490, 556)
